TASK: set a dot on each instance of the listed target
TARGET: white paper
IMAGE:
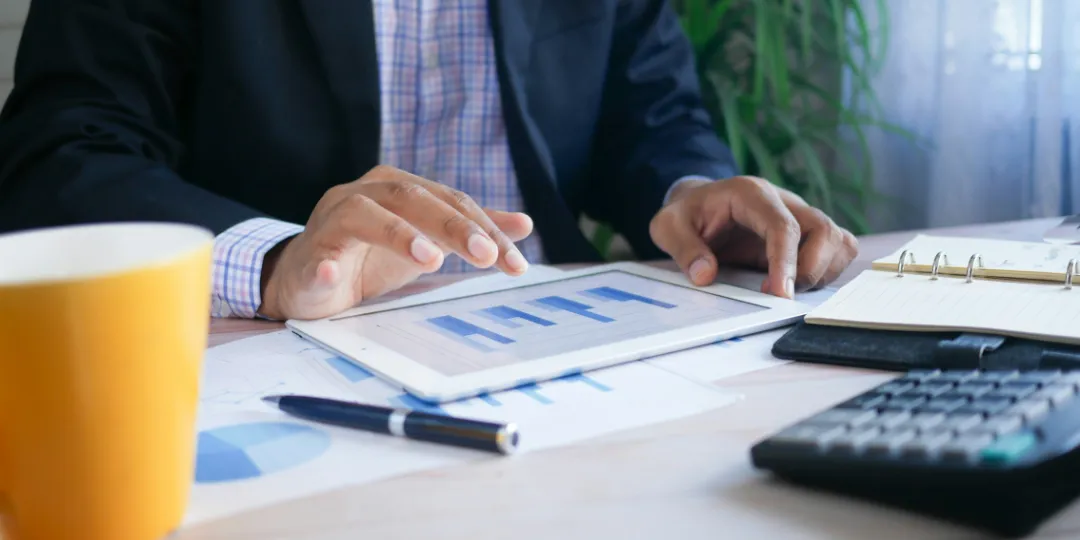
(313, 458)
(732, 357)
(284, 458)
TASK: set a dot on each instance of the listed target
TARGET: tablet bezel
(430, 385)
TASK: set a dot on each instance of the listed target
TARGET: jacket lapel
(344, 37)
(513, 23)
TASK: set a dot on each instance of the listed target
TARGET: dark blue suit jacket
(215, 111)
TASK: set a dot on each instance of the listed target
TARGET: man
(340, 149)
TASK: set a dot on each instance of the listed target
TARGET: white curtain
(992, 90)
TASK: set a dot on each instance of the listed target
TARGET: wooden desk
(685, 479)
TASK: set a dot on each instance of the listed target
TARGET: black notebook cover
(903, 350)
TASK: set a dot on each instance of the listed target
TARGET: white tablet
(561, 325)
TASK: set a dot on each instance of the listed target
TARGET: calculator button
(903, 403)
(959, 423)
(1014, 391)
(806, 435)
(850, 417)
(1030, 410)
(921, 374)
(956, 376)
(1038, 377)
(889, 419)
(986, 406)
(998, 376)
(894, 388)
(999, 425)
(852, 441)
(931, 389)
(865, 401)
(973, 389)
(1008, 449)
(889, 441)
(965, 447)
(1070, 378)
(923, 421)
(1057, 394)
(925, 445)
(942, 404)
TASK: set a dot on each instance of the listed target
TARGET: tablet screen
(489, 330)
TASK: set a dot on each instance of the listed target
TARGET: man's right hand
(378, 233)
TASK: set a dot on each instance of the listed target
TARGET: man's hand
(749, 222)
(378, 233)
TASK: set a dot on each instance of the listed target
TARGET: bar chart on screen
(486, 331)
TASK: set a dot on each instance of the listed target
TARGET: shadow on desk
(809, 513)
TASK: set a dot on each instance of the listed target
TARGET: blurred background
(888, 114)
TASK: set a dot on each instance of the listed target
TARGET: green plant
(788, 84)
(773, 73)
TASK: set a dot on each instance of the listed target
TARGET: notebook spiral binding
(941, 257)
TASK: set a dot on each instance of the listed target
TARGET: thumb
(675, 235)
(317, 279)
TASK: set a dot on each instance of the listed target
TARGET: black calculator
(996, 450)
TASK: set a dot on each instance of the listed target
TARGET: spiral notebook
(938, 299)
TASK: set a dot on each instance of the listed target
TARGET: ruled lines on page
(883, 300)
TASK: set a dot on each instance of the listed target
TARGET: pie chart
(251, 450)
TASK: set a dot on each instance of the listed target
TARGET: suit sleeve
(653, 128)
(91, 131)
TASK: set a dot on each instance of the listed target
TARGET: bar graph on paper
(238, 375)
(490, 330)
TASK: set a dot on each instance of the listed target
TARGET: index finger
(761, 210)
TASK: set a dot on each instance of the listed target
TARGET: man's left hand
(746, 221)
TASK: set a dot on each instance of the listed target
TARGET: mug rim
(188, 238)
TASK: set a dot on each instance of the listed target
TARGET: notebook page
(1001, 258)
(1042, 311)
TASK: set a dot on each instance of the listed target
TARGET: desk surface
(689, 478)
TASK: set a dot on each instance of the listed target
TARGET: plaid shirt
(441, 120)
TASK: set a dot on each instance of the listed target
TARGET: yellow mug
(102, 333)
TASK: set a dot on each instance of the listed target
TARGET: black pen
(419, 425)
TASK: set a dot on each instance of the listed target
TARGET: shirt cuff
(238, 260)
(667, 197)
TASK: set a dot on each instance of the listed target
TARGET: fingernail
(789, 288)
(698, 269)
(515, 260)
(482, 248)
(423, 250)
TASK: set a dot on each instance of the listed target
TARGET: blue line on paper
(532, 390)
(486, 398)
(347, 369)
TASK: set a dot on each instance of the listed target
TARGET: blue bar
(577, 308)
(590, 381)
(612, 293)
(541, 305)
(347, 369)
(532, 390)
(463, 330)
(486, 397)
(594, 296)
(508, 323)
(508, 314)
(729, 340)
